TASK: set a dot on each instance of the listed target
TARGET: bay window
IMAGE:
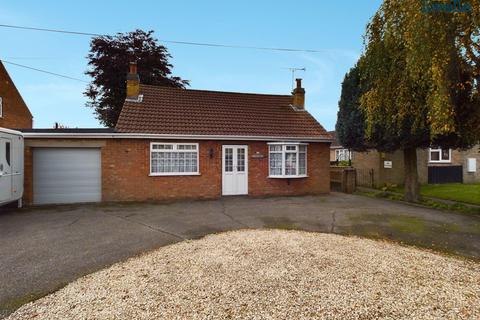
(171, 159)
(287, 160)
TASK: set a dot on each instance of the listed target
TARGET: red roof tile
(165, 110)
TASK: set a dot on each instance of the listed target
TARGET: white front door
(235, 170)
(5, 169)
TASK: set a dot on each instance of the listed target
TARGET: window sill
(288, 177)
(440, 161)
(173, 174)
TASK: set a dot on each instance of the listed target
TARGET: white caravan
(11, 166)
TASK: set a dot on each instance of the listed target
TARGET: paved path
(44, 248)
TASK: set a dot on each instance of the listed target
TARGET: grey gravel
(272, 275)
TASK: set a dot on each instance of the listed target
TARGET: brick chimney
(133, 82)
(299, 95)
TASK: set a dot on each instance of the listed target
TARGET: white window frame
(1, 107)
(174, 150)
(440, 156)
(283, 151)
(347, 151)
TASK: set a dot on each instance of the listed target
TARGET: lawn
(468, 193)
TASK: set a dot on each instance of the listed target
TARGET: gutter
(59, 135)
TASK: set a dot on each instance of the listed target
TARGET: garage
(66, 175)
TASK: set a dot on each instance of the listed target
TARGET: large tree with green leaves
(422, 71)
(350, 127)
(108, 60)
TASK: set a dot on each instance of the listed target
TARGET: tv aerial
(293, 70)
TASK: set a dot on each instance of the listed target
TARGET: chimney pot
(133, 82)
(133, 67)
(299, 83)
(299, 95)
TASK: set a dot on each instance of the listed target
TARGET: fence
(342, 179)
(365, 178)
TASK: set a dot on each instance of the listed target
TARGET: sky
(334, 27)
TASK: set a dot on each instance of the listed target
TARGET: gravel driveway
(45, 248)
(272, 274)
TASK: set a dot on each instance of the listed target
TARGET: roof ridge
(218, 91)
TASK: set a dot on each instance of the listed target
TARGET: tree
(422, 71)
(350, 127)
(109, 58)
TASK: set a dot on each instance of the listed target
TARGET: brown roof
(165, 110)
(335, 142)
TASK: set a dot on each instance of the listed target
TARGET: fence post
(372, 178)
(349, 180)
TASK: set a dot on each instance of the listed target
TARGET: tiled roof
(165, 110)
(335, 142)
(69, 130)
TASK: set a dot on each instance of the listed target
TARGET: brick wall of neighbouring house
(332, 155)
(15, 112)
(125, 172)
(459, 158)
(367, 165)
(374, 161)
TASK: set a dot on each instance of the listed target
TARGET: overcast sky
(335, 27)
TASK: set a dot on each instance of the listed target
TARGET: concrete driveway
(44, 248)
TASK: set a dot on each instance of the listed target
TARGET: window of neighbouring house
(170, 159)
(440, 155)
(287, 160)
(343, 155)
(1, 107)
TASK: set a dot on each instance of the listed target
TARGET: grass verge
(456, 207)
(468, 193)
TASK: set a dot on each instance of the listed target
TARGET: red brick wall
(318, 170)
(15, 111)
(125, 173)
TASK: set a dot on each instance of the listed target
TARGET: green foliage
(389, 187)
(422, 71)
(343, 163)
(109, 58)
(350, 127)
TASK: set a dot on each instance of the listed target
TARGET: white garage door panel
(66, 175)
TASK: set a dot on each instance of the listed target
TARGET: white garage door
(66, 175)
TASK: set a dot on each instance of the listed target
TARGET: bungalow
(172, 143)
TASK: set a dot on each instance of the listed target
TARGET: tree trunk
(412, 188)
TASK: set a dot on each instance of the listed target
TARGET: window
(7, 152)
(287, 160)
(172, 159)
(228, 160)
(1, 107)
(438, 155)
(343, 155)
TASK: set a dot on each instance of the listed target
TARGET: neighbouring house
(172, 143)
(435, 165)
(337, 152)
(14, 113)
